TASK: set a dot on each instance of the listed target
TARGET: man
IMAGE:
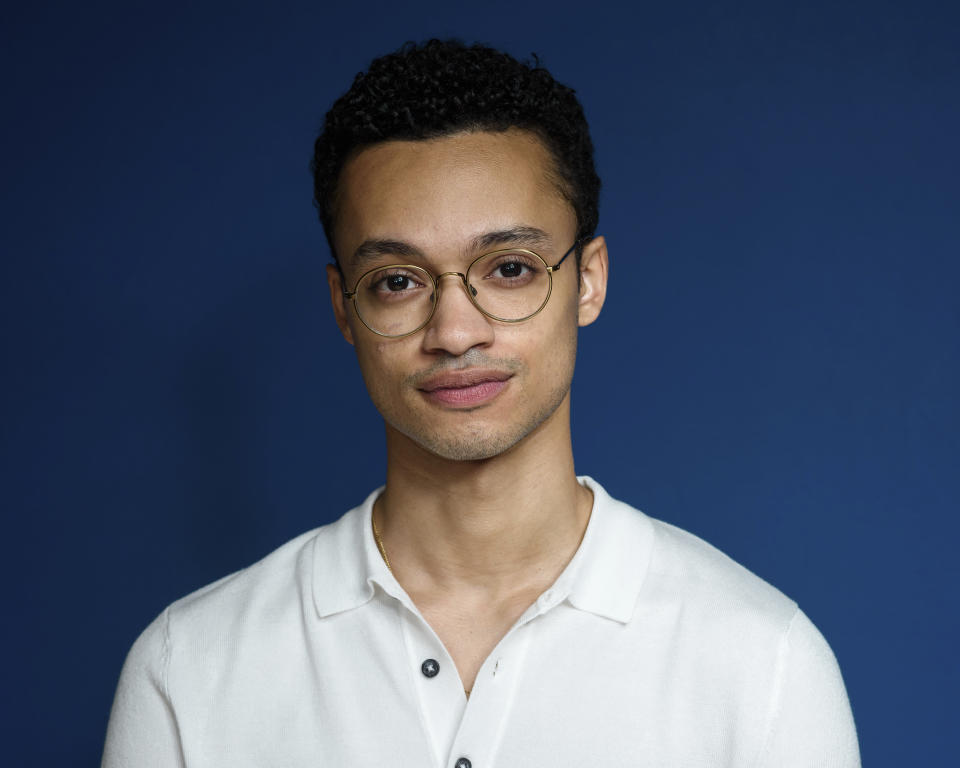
(487, 606)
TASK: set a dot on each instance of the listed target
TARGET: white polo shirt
(652, 648)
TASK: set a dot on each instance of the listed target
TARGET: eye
(396, 282)
(511, 269)
(508, 270)
(393, 282)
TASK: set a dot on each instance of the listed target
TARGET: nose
(457, 325)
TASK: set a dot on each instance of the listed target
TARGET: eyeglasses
(509, 285)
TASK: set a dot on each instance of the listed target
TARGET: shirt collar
(608, 570)
(346, 562)
(604, 577)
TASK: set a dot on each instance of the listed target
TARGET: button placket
(437, 684)
(483, 721)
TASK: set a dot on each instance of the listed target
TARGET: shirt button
(463, 763)
(430, 668)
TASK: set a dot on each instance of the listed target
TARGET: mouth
(465, 389)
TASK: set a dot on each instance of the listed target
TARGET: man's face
(466, 386)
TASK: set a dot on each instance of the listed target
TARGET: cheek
(560, 327)
(562, 344)
(548, 351)
(378, 365)
(370, 369)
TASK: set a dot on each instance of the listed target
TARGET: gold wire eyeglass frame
(471, 292)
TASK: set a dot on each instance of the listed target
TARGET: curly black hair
(444, 87)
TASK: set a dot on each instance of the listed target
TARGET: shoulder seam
(165, 657)
(776, 688)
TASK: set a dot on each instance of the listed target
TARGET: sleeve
(143, 732)
(811, 723)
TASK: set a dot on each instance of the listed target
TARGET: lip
(465, 389)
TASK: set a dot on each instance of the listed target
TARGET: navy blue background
(776, 369)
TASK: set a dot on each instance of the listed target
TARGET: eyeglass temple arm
(563, 258)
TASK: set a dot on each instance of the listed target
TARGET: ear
(339, 302)
(594, 264)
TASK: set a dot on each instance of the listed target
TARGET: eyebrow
(520, 236)
(374, 250)
(530, 237)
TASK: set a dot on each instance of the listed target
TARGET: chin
(480, 441)
(464, 449)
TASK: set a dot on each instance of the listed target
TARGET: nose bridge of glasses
(463, 279)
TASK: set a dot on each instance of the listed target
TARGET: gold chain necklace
(386, 560)
(376, 535)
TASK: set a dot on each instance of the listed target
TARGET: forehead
(439, 194)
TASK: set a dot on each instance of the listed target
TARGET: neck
(494, 526)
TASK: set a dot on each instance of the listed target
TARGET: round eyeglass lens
(396, 300)
(510, 285)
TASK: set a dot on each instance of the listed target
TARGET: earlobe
(594, 264)
(337, 300)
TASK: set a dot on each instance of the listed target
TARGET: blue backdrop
(776, 369)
